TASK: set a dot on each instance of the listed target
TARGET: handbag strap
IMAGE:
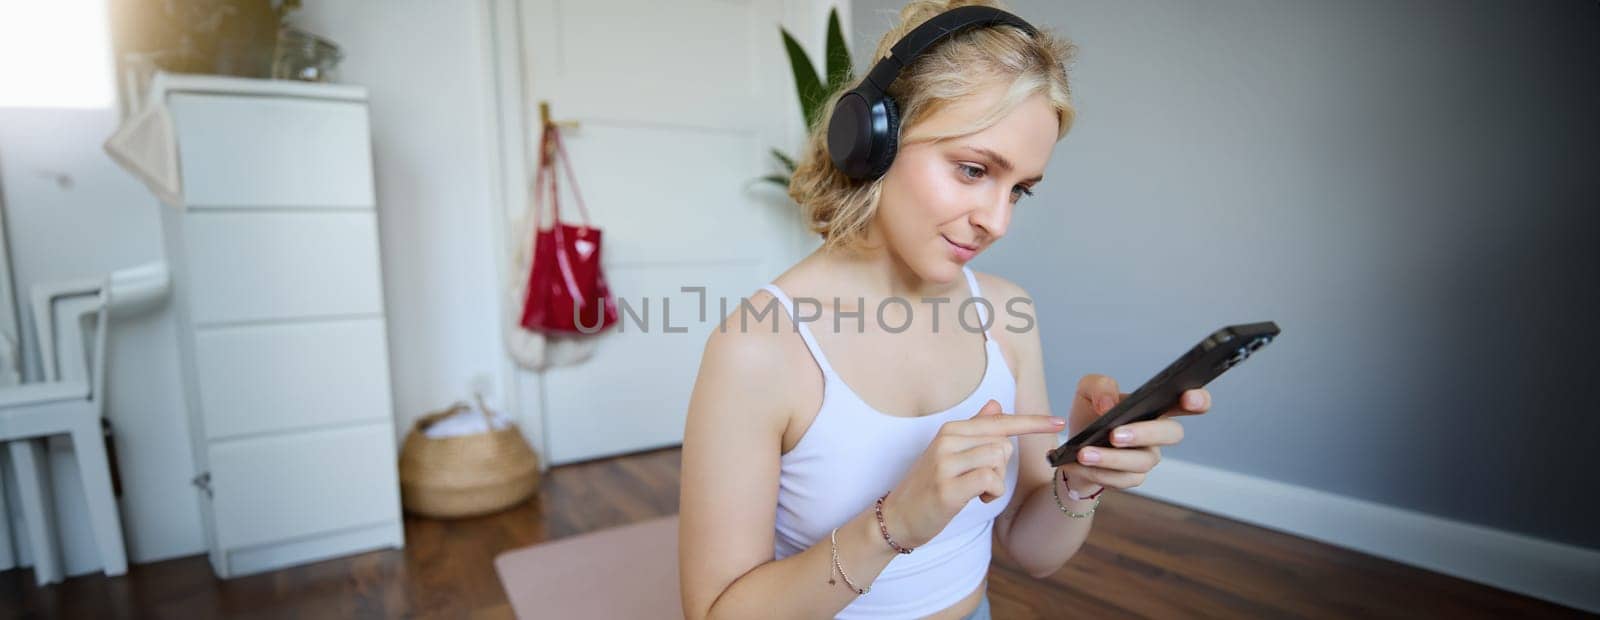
(538, 182)
(551, 141)
(552, 147)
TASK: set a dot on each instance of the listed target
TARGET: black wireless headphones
(864, 132)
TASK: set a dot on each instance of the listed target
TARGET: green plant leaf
(777, 179)
(788, 162)
(838, 60)
(806, 81)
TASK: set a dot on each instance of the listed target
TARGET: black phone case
(1223, 349)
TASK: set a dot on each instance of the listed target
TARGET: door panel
(679, 104)
(691, 209)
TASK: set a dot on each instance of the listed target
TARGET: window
(55, 54)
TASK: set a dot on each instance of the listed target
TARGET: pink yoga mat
(629, 571)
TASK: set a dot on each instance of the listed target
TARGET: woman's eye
(974, 173)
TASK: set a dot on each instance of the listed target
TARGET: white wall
(70, 213)
(427, 69)
(428, 73)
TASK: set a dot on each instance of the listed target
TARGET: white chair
(70, 401)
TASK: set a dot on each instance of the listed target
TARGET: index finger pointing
(1015, 424)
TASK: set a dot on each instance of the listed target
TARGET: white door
(679, 104)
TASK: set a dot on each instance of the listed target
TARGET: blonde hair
(840, 208)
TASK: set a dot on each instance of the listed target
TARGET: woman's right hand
(966, 459)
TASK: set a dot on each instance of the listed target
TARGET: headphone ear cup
(850, 135)
(890, 141)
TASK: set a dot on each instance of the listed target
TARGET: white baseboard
(1562, 573)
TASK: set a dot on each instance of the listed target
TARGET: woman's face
(944, 202)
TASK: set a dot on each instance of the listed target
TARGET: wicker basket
(465, 476)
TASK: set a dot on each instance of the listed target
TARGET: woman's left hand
(1137, 445)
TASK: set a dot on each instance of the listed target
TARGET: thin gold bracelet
(1055, 490)
(835, 538)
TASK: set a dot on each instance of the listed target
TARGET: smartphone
(1223, 349)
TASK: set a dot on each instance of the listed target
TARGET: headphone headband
(864, 131)
(930, 33)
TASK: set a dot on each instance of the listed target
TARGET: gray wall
(1407, 189)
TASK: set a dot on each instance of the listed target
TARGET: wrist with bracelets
(1056, 491)
(883, 528)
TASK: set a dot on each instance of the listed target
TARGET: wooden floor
(1145, 558)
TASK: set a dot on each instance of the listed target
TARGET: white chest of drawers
(279, 301)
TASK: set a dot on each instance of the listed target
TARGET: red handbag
(567, 290)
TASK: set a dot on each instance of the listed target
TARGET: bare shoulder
(999, 289)
(1016, 324)
(750, 358)
(758, 336)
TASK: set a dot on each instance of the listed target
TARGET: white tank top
(853, 453)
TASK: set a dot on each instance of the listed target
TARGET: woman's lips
(962, 253)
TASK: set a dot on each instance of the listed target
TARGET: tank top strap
(983, 308)
(805, 331)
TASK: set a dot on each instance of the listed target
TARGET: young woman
(857, 453)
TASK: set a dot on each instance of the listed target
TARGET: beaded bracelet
(885, 529)
(1073, 494)
(1056, 491)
